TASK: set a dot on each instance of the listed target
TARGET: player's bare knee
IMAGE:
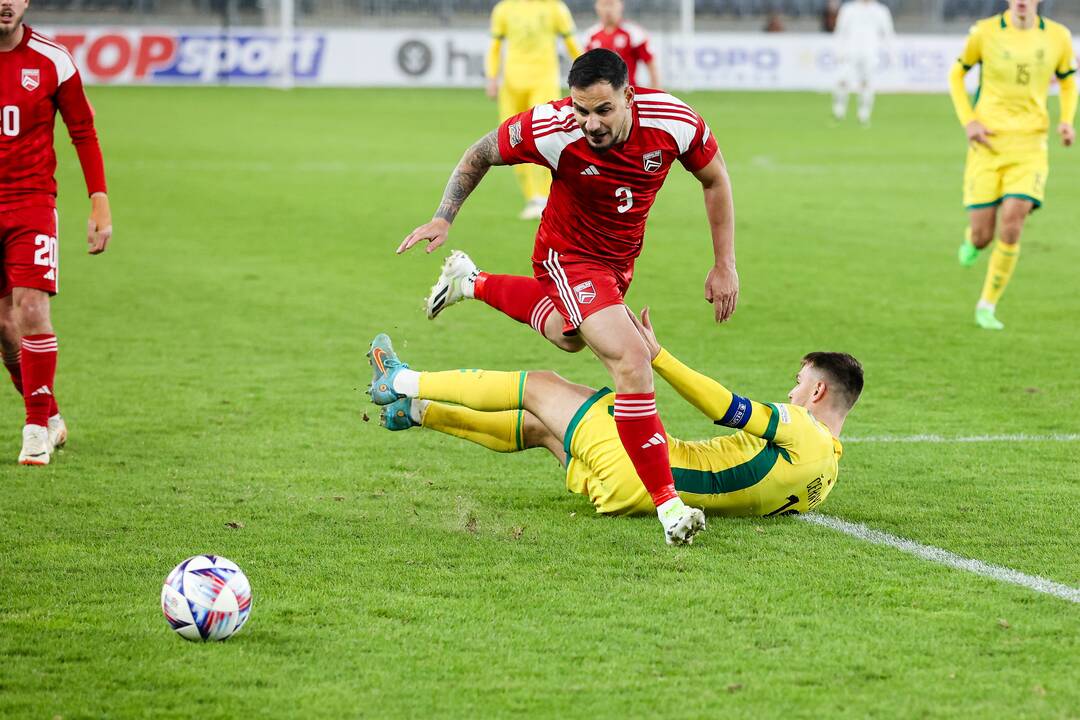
(982, 234)
(31, 312)
(540, 384)
(535, 433)
(569, 343)
(632, 371)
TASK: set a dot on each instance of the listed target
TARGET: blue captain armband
(738, 413)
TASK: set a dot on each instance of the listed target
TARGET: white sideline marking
(1016, 437)
(944, 557)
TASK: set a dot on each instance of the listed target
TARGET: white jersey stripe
(65, 66)
(682, 132)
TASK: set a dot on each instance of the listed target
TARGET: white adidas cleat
(682, 523)
(57, 431)
(35, 446)
(457, 269)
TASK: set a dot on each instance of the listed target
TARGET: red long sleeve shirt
(37, 79)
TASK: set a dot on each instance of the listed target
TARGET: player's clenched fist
(99, 226)
(722, 290)
(435, 232)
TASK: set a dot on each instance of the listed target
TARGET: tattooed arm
(467, 175)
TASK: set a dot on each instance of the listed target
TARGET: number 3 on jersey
(626, 199)
(45, 255)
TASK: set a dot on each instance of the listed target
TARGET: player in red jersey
(628, 39)
(609, 149)
(38, 78)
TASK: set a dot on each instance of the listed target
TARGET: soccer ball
(206, 597)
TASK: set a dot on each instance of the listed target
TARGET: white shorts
(858, 69)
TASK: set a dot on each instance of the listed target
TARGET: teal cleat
(385, 364)
(397, 415)
(984, 318)
(968, 254)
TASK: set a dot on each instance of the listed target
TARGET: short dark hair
(598, 65)
(842, 370)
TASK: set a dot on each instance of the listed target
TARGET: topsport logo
(191, 57)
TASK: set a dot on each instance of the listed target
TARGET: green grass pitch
(211, 370)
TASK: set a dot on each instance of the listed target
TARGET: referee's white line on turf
(944, 557)
(1015, 437)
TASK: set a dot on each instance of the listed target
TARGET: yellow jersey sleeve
(969, 58)
(564, 26)
(1067, 64)
(972, 53)
(498, 32)
(1066, 75)
(714, 400)
(498, 22)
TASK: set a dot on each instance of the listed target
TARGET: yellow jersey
(1017, 67)
(781, 460)
(530, 29)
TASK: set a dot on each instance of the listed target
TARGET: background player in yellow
(1019, 52)
(783, 458)
(529, 74)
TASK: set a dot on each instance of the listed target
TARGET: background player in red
(38, 78)
(609, 150)
(628, 39)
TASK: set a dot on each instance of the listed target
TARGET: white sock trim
(407, 382)
(417, 410)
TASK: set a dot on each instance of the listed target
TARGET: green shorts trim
(978, 206)
(568, 436)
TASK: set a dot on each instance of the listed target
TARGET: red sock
(520, 297)
(11, 362)
(643, 438)
(38, 372)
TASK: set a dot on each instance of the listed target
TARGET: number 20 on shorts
(45, 255)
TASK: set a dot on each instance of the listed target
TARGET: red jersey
(628, 40)
(38, 78)
(599, 201)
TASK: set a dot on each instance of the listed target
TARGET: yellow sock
(487, 390)
(1002, 263)
(498, 431)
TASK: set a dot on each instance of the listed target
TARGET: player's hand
(722, 290)
(645, 330)
(99, 226)
(435, 232)
(492, 88)
(1067, 133)
(978, 133)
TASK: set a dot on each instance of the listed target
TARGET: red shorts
(28, 246)
(579, 286)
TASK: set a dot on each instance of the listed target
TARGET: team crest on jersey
(652, 161)
(585, 292)
(515, 134)
(31, 78)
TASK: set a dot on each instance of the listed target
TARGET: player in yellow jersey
(783, 459)
(1020, 53)
(530, 73)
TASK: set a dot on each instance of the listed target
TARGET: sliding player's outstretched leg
(385, 366)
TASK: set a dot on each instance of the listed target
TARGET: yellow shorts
(1016, 167)
(599, 468)
(514, 100)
